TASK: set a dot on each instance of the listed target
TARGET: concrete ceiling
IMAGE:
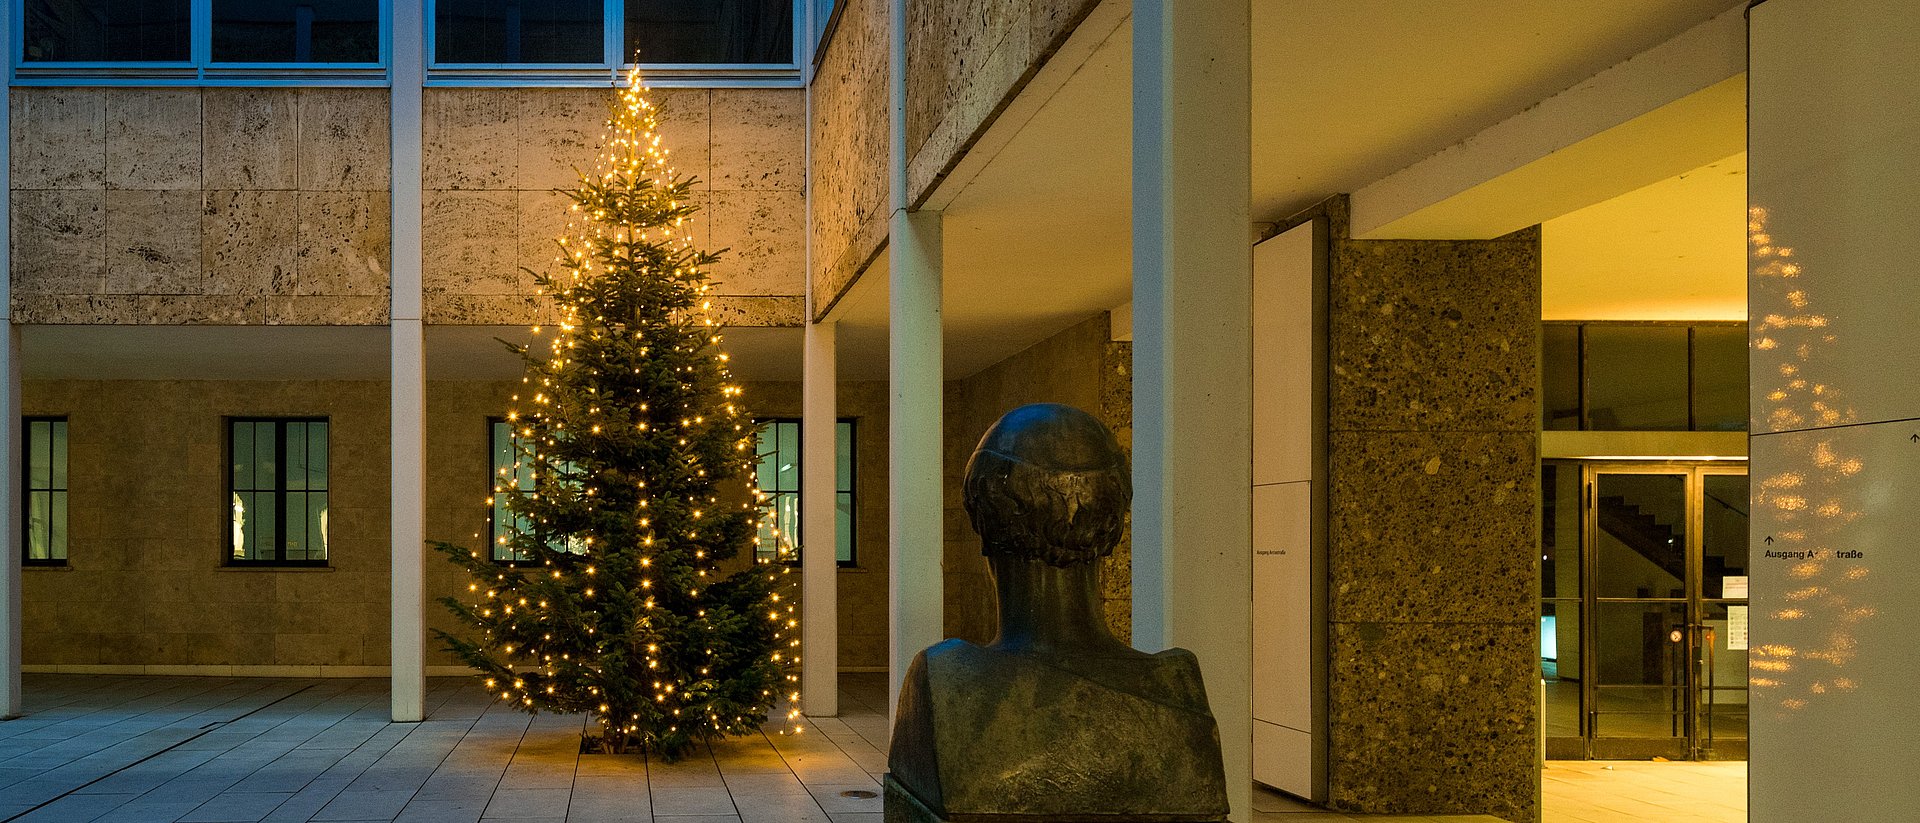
(1038, 237)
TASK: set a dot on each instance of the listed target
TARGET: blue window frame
(158, 42)
(777, 476)
(570, 42)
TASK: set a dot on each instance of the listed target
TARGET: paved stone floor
(156, 749)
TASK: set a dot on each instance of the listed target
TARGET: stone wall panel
(467, 139)
(153, 138)
(153, 242)
(252, 138)
(59, 138)
(345, 140)
(249, 242)
(59, 244)
(344, 243)
(758, 230)
(753, 135)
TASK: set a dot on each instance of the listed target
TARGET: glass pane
(57, 544)
(1723, 671)
(242, 456)
(1637, 378)
(1560, 377)
(317, 514)
(58, 463)
(242, 525)
(39, 455)
(296, 542)
(1560, 665)
(1559, 530)
(264, 455)
(297, 456)
(1640, 712)
(266, 527)
(317, 455)
(843, 456)
(788, 470)
(519, 31)
(843, 527)
(1636, 645)
(296, 31)
(1723, 535)
(1642, 533)
(705, 31)
(39, 526)
(1720, 378)
(105, 30)
(766, 446)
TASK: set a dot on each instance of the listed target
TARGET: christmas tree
(639, 452)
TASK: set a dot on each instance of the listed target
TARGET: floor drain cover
(859, 794)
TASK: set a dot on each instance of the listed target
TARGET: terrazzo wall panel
(494, 162)
(1433, 470)
(1078, 367)
(221, 206)
(848, 129)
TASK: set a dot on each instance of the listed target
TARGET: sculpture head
(1048, 483)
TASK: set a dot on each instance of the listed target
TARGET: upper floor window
(778, 477)
(1644, 377)
(277, 491)
(175, 40)
(45, 472)
(745, 37)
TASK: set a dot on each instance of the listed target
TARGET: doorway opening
(1644, 610)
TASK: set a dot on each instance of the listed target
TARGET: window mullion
(200, 36)
(280, 491)
(615, 19)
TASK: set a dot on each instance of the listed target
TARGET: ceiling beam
(1675, 107)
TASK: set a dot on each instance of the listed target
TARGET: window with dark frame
(277, 491)
(239, 32)
(777, 475)
(45, 504)
(506, 472)
(1643, 376)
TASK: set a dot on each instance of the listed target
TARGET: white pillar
(1192, 353)
(819, 566)
(409, 387)
(10, 453)
(915, 502)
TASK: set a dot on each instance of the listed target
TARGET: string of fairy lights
(633, 163)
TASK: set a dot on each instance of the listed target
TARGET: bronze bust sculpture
(1056, 719)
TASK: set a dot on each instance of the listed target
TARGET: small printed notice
(1737, 627)
(1733, 587)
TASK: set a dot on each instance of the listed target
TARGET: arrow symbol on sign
(1915, 438)
(1769, 539)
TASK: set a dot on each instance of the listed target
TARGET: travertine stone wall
(849, 137)
(219, 205)
(1433, 470)
(495, 162)
(1078, 367)
(144, 583)
(965, 59)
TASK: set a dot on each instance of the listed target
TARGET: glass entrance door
(1648, 638)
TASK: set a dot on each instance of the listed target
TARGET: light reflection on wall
(1814, 501)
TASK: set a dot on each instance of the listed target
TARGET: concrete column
(1835, 405)
(915, 504)
(819, 586)
(1192, 352)
(10, 453)
(409, 386)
